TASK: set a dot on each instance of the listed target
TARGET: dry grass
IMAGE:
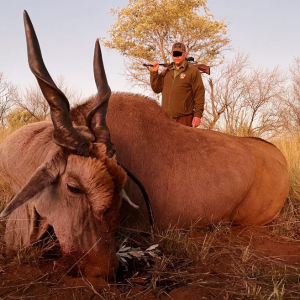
(290, 149)
(215, 262)
(218, 262)
(222, 262)
(5, 193)
(288, 223)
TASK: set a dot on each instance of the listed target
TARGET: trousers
(185, 120)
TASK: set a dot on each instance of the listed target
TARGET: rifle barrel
(150, 65)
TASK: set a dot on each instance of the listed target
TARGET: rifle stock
(203, 68)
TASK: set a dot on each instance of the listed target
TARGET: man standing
(181, 86)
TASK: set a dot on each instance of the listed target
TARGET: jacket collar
(172, 66)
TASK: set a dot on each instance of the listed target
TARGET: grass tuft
(215, 262)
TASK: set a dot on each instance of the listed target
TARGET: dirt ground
(225, 263)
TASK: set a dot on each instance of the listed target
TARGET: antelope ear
(45, 175)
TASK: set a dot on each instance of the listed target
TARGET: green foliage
(19, 117)
(146, 29)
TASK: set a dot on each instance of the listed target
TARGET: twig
(25, 288)
(79, 261)
(88, 283)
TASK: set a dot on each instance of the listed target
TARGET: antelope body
(67, 180)
(193, 177)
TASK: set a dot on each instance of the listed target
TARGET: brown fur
(194, 176)
(83, 222)
(67, 178)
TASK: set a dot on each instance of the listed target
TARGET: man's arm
(156, 80)
(199, 98)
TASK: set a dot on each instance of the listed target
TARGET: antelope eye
(74, 189)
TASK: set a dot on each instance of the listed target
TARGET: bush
(19, 117)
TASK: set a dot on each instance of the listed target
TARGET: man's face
(178, 58)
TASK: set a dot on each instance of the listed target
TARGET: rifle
(201, 67)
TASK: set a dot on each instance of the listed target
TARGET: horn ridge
(96, 119)
(36, 63)
(65, 135)
(99, 71)
(103, 88)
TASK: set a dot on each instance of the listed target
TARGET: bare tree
(8, 94)
(33, 101)
(224, 92)
(291, 113)
(263, 93)
(244, 101)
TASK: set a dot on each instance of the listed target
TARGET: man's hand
(155, 66)
(196, 122)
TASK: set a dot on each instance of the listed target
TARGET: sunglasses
(177, 54)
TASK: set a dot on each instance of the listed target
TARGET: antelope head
(78, 187)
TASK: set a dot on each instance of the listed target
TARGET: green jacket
(182, 95)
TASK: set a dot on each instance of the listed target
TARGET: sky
(267, 30)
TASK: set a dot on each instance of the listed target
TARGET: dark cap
(178, 47)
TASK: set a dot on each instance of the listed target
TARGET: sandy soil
(236, 263)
